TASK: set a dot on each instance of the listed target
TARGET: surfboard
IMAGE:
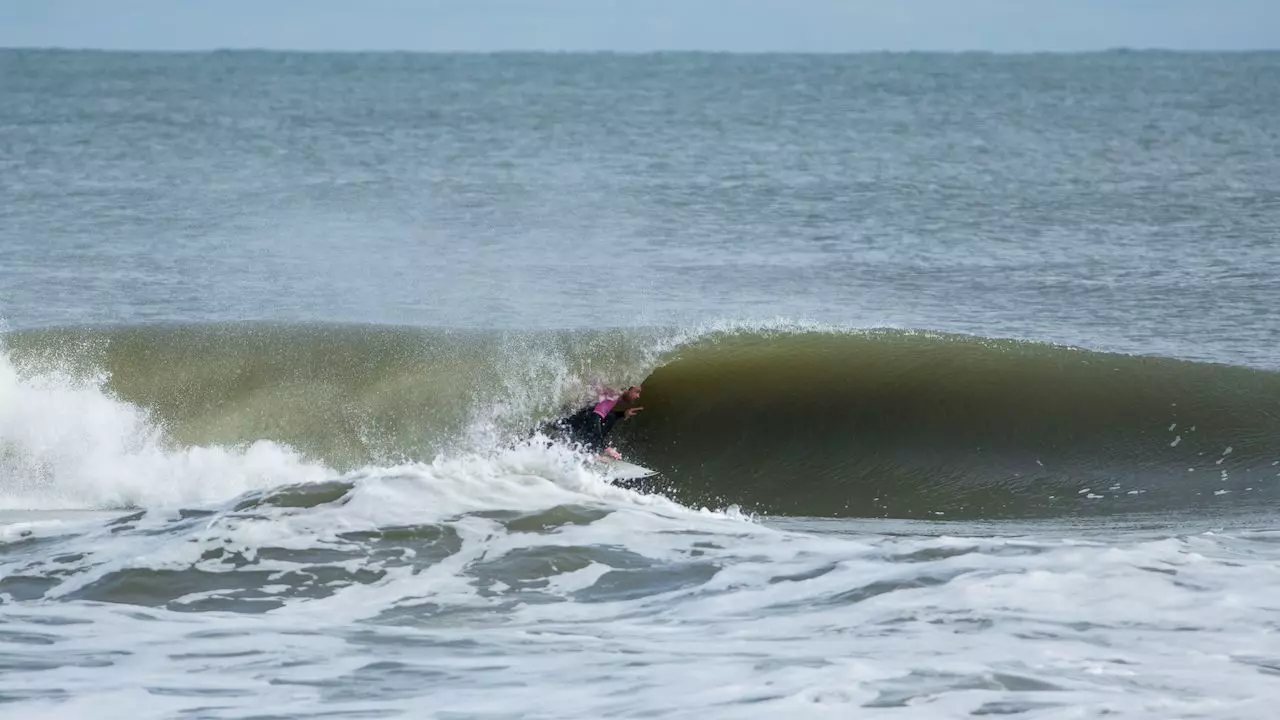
(623, 470)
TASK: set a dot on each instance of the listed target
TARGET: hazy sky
(631, 25)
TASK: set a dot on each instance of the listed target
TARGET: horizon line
(1118, 50)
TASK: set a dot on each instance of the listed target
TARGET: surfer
(593, 423)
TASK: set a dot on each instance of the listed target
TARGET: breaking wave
(787, 420)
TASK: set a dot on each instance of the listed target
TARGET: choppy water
(960, 372)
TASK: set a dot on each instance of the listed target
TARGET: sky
(643, 25)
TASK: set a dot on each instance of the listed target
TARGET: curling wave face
(785, 419)
(923, 425)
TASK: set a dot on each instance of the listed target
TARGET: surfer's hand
(632, 411)
(613, 453)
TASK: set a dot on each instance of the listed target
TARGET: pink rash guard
(608, 399)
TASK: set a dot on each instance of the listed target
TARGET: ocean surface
(961, 377)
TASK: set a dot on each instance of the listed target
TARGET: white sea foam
(685, 615)
(67, 443)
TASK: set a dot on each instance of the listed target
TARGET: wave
(66, 442)
(785, 419)
(918, 425)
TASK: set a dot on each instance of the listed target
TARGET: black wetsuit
(587, 427)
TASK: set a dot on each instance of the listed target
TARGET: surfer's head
(632, 393)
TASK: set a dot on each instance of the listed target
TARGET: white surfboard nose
(623, 470)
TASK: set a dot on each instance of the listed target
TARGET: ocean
(961, 376)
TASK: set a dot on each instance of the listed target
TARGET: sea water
(960, 372)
